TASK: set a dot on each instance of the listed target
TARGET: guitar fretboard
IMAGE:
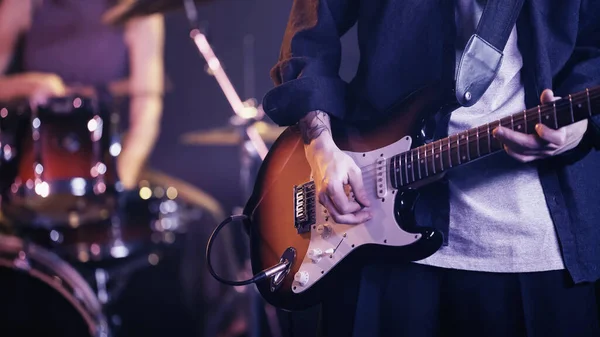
(441, 155)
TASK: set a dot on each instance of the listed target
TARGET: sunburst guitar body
(287, 223)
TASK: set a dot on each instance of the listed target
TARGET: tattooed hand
(332, 170)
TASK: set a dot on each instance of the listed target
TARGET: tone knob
(315, 254)
(301, 277)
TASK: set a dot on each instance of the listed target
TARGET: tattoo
(313, 125)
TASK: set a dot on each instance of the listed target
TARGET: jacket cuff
(287, 103)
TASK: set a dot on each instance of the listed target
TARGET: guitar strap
(483, 54)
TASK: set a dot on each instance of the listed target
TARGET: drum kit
(68, 228)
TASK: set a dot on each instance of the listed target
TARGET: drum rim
(85, 302)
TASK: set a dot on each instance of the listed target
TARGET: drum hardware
(60, 277)
(142, 225)
(246, 116)
(170, 205)
(230, 135)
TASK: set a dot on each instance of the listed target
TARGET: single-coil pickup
(381, 177)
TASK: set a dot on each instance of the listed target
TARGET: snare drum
(65, 163)
(42, 295)
(141, 225)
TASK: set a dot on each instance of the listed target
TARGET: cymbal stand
(245, 115)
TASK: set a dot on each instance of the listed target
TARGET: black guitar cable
(254, 279)
(269, 272)
(258, 277)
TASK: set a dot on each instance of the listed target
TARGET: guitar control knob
(323, 230)
(301, 277)
(315, 254)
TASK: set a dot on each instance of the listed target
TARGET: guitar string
(533, 116)
(444, 147)
(543, 112)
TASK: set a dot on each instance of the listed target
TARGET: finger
(556, 137)
(349, 219)
(59, 91)
(519, 141)
(39, 98)
(335, 191)
(355, 180)
(520, 157)
(548, 96)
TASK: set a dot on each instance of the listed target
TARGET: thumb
(547, 96)
(355, 180)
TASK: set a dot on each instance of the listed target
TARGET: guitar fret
(489, 138)
(512, 123)
(393, 170)
(477, 137)
(406, 168)
(412, 166)
(425, 160)
(458, 149)
(571, 107)
(587, 93)
(449, 154)
(555, 118)
(539, 108)
(468, 148)
(433, 157)
(441, 157)
(399, 168)
(418, 162)
(525, 121)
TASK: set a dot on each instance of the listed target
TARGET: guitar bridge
(305, 206)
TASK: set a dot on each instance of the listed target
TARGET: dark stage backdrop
(196, 102)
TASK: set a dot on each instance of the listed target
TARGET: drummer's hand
(42, 86)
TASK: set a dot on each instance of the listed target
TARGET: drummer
(52, 48)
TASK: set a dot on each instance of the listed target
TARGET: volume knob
(301, 277)
(315, 254)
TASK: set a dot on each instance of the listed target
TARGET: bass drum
(42, 295)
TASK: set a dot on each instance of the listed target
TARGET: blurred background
(198, 163)
(246, 36)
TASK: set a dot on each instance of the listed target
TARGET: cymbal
(186, 192)
(129, 9)
(229, 135)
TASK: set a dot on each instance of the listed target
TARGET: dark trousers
(413, 300)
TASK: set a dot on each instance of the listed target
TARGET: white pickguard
(336, 241)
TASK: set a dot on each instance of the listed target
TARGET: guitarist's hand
(332, 171)
(546, 142)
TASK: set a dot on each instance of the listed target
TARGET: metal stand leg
(253, 146)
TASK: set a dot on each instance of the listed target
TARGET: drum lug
(21, 261)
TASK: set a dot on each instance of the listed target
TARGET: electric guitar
(288, 224)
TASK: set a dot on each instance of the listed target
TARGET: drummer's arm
(145, 41)
(15, 19)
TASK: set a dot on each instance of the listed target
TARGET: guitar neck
(441, 155)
